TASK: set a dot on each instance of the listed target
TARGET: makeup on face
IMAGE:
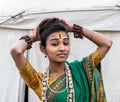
(59, 36)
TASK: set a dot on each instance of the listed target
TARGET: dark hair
(48, 26)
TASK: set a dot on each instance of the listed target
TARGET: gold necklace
(69, 85)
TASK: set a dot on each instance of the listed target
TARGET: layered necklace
(69, 85)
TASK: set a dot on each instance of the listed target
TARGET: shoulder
(94, 58)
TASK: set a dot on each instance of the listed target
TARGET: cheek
(68, 49)
(50, 51)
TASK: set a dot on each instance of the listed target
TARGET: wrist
(28, 40)
(71, 27)
(77, 28)
(78, 31)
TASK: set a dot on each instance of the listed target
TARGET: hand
(67, 24)
(69, 27)
(35, 35)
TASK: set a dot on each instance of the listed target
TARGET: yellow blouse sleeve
(32, 78)
(96, 58)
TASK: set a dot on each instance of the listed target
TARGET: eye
(66, 43)
(54, 44)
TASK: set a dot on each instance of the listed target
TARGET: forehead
(58, 35)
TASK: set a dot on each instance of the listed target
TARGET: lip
(61, 55)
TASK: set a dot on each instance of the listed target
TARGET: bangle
(28, 40)
(77, 30)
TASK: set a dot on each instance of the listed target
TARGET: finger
(62, 21)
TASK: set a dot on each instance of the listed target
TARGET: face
(57, 47)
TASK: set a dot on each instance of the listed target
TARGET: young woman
(78, 81)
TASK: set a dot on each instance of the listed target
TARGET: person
(63, 81)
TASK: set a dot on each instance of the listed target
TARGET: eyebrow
(58, 39)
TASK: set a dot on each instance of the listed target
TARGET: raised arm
(17, 51)
(101, 41)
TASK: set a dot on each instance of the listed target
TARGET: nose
(62, 47)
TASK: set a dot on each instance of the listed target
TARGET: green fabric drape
(95, 80)
(87, 80)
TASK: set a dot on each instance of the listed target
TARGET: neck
(56, 69)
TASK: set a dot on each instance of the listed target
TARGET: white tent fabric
(104, 20)
(11, 84)
(14, 6)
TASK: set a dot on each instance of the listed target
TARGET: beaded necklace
(69, 85)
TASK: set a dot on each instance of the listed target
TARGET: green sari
(87, 81)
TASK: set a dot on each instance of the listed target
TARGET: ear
(42, 48)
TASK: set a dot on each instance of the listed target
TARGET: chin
(61, 61)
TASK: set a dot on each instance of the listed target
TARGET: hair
(48, 26)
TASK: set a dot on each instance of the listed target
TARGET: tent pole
(26, 87)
